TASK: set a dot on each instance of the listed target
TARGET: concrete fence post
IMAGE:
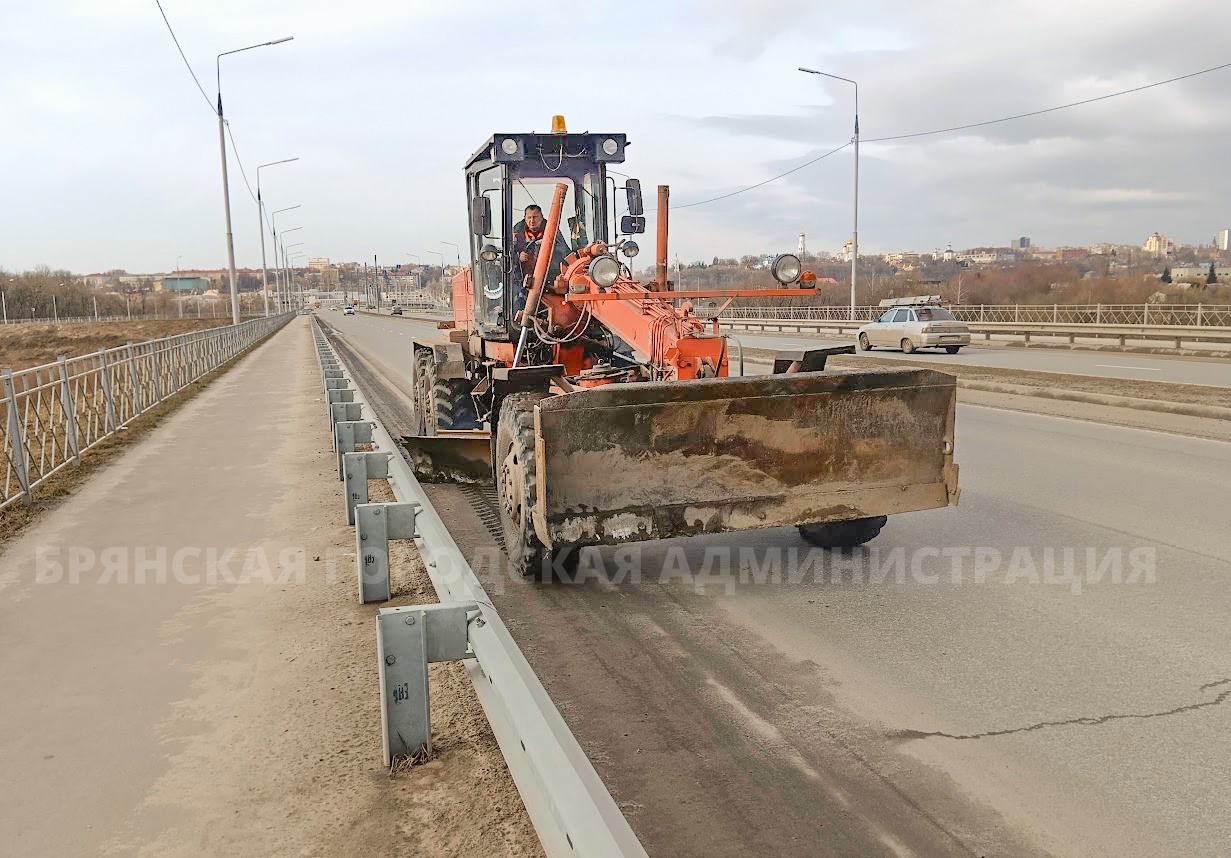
(1145, 314)
(1055, 313)
(1198, 315)
(70, 414)
(1098, 314)
(17, 437)
(104, 370)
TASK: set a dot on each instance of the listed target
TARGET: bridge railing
(51, 414)
(1146, 315)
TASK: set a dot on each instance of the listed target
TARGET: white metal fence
(1153, 315)
(51, 414)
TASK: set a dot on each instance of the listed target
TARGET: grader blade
(629, 462)
(450, 456)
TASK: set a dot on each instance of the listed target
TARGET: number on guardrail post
(105, 374)
(17, 437)
(70, 415)
(134, 379)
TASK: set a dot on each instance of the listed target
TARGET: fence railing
(51, 414)
(1152, 315)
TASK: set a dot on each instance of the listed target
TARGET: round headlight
(786, 268)
(630, 249)
(604, 271)
(490, 253)
(610, 146)
(509, 146)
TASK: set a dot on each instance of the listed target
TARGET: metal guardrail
(1151, 315)
(570, 807)
(51, 414)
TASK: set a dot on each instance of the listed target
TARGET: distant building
(1223, 240)
(802, 250)
(1157, 245)
(319, 263)
(1187, 274)
(183, 284)
(1022, 243)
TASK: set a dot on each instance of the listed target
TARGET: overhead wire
(965, 127)
(204, 95)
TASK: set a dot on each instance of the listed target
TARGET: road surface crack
(1085, 721)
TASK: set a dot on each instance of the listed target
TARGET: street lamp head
(280, 41)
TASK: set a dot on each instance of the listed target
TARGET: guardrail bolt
(410, 620)
(390, 659)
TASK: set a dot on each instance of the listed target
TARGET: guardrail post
(70, 415)
(138, 405)
(407, 640)
(359, 468)
(375, 525)
(104, 371)
(347, 434)
(339, 411)
(17, 437)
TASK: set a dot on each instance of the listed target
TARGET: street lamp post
(855, 223)
(290, 272)
(286, 286)
(226, 191)
(418, 269)
(260, 215)
(299, 293)
(443, 290)
(273, 226)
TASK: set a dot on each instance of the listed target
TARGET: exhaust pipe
(664, 193)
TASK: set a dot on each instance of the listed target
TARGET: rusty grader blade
(630, 462)
(463, 456)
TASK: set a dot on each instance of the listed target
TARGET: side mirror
(632, 187)
(481, 216)
(630, 225)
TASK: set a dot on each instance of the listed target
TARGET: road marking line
(1121, 366)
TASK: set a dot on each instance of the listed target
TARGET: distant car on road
(348, 311)
(915, 327)
(396, 311)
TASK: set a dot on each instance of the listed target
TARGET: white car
(911, 328)
(348, 311)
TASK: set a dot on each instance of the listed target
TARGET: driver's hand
(523, 256)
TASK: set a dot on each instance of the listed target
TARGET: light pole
(418, 270)
(260, 216)
(273, 225)
(855, 224)
(290, 272)
(299, 298)
(226, 191)
(442, 272)
(284, 232)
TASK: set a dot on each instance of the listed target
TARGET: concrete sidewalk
(183, 664)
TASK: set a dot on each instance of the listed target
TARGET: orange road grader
(603, 408)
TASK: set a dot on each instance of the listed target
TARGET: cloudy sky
(110, 153)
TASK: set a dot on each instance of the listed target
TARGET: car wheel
(908, 347)
(953, 349)
(864, 343)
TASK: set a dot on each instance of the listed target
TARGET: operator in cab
(528, 230)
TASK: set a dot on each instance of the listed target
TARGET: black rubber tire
(908, 347)
(864, 343)
(420, 374)
(517, 491)
(843, 534)
(452, 403)
(953, 349)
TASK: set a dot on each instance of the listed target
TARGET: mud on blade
(654, 460)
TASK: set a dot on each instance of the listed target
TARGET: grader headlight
(786, 269)
(604, 271)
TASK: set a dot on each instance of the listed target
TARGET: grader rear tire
(843, 534)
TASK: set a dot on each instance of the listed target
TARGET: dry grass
(28, 345)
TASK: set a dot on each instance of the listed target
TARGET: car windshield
(934, 314)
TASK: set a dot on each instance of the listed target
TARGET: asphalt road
(982, 695)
